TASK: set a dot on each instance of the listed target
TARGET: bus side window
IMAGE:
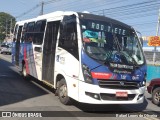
(24, 32)
(68, 36)
(19, 34)
(15, 33)
(29, 35)
(39, 32)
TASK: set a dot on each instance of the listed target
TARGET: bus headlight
(145, 80)
(87, 74)
(143, 83)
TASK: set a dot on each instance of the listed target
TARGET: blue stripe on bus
(101, 68)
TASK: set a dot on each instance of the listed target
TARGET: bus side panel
(29, 60)
(38, 64)
(69, 65)
(25, 51)
(21, 55)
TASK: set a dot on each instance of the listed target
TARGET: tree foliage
(7, 23)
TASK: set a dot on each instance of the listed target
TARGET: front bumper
(93, 94)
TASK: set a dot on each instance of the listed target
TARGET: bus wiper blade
(115, 39)
(108, 57)
(134, 63)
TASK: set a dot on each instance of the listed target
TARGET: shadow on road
(150, 99)
(13, 88)
(111, 108)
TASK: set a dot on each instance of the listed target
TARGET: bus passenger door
(49, 48)
(17, 45)
(35, 35)
(37, 72)
(67, 57)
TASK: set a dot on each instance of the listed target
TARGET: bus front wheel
(63, 93)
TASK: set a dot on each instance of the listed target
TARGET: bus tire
(24, 73)
(156, 96)
(62, 92)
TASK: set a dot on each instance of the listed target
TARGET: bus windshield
(111, 43)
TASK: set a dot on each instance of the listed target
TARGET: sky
(141, 14)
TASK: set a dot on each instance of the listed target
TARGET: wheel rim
(24, 72)
(157, 96)
(63, 91)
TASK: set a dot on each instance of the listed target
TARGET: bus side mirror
(140, 37)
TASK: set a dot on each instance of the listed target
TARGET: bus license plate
(121, 94)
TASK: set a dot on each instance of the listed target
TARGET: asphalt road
(20, 95)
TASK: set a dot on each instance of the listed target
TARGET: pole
(11, 28)
(42, 5)
(103, 13)
(154, 55)
(6, 27)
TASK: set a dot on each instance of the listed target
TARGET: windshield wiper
(110, 53)
(108, 57)
(134, 63)
(115, 39)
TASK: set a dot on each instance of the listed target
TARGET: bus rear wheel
(63, 92)
(24, 73)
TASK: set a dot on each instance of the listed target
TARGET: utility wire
(125, 12)
(36, 6)
(30, 10)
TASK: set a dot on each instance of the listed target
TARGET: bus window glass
(39, 32)
(19, 33)
(29, 35)
(15, 33)
(24, 32)
(111, 43)
(68, 36)
(30, 27)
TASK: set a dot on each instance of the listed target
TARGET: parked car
(154, 89)
(5, 49)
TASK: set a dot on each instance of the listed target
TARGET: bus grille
(105, 96)
(119, 84)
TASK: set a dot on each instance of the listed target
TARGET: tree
(7, 23)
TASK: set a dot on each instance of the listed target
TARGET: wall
(153, 71)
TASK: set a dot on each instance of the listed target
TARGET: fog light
(93, 95)
(96, 96)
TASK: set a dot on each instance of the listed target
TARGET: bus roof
(102, 18)
(81, 15)
(48, 16)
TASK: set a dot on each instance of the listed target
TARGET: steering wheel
(119, 57)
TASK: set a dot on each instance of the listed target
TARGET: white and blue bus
(89, 58)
